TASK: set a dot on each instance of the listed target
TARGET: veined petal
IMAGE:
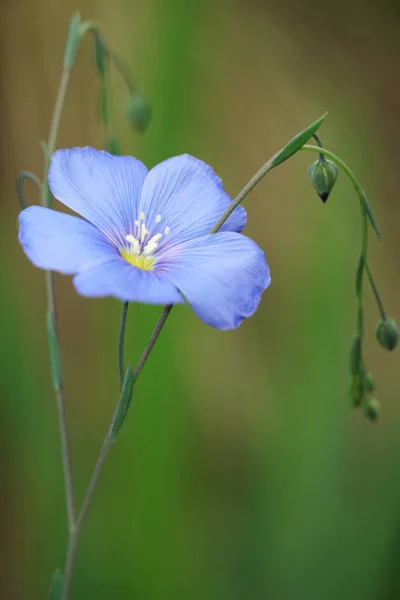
(119, 279)
(222, 276)
(189, 197)
(103, 188)
(59, 242)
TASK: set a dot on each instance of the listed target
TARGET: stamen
(141, 216)
(158, 218)
(166, 230)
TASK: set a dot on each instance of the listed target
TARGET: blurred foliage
(242, 471)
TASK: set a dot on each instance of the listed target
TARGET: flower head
(145, 236)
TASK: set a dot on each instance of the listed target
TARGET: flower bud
(323, 174)
(371, 407)
(139, 112)
(368, 382)
(387, 333)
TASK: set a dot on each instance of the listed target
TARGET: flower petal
(60, 242)
(189, 197)
(119, 279)
(103, 188)
(222, 276)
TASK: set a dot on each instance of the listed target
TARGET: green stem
(376, 293)
(105, 449)
(121, 344)
(51, 306)
(22, 177)
(319, 144)
(364, 225)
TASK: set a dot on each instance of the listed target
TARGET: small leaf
(359, 275)
(54, 351)
(355, 355)
(57, 585)
(297, 142)
(100, 53)
(370, 215)
(74, 36)
(123, 403)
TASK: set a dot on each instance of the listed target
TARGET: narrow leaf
(297, 142)
(100, 53)
(123, 403)
(370, 215)
(22, 177)
(74, 36)
(54, 351)
(47, 157)
(57, 585)
(359, 275)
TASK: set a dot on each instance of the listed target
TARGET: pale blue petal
(103, 188)
(222, 276)
(59, 242)
(119, 279)
(189, 197)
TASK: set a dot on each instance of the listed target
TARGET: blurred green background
(242, 472)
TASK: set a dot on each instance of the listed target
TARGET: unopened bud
(139, 112)
(323, 174)
(387, 333)
(369, 382)
(371, 407)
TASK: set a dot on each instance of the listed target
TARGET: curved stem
(364, 225)
(20, 186)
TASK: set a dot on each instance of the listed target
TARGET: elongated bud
(355, 356)
(323, 174)
(371, 407)
(139, 112)
(387, 333)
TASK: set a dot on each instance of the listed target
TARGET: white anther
(158, 218)
(134, 243)
(152, 244)
(141, 216)
(166, 230)
(143, 232)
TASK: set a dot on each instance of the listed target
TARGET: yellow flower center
(140, 251)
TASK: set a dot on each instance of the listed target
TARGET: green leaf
(105, 105)
(54, 351)
(57, 585)
(297, 142)
(359, 275)
(370, 215)
(74, 37)
(123, 402)
(100, 53)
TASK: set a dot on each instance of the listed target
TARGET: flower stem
(105, 449)
(376, 293)
(364, 226)
(51, 306)
(121, 344)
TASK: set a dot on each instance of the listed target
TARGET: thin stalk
(121, 344)
(105, 449)
(364, 225)
(51, 306)
(376, 293)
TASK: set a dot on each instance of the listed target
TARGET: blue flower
(145, 236)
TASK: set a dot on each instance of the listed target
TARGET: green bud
(371, 407)
(355, 355)
(139, 112)
(355, 392)
(323, 174)
(387, 333)
(369, 382)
